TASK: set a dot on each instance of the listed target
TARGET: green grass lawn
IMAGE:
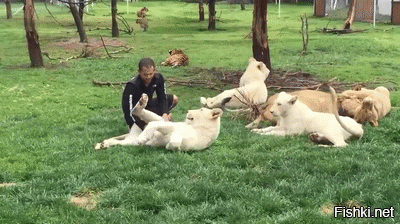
(51, 118)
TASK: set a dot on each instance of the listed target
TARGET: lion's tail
(224, 108)
(359, 132)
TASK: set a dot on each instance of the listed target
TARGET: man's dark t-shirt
(134, 90)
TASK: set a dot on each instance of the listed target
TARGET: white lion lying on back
(251, 87)
(198, 132)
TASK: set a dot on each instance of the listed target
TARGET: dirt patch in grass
(279, 80)
(47, 65)
(291, 80)
(5, 184)
(71, 44)
(328, 209)
(94, 48)
(86, 199)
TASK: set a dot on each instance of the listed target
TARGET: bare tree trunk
(8, 9)
(304, 33)
(201, 11)
(260, 37)
(350, 14)
(243, 5)
(114, 29)
(78, 22)
(81, 9)
(35, 54)
(212, 17)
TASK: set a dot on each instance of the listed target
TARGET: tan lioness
(366, 105)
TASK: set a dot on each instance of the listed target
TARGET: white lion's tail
(359, 133)
(224, 108)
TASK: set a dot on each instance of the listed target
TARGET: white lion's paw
(203, 101)
(251, 126)
(140, 105)
(142, 141)
(173, 146)
(143, 100)
(266, 133)
(260, 131)
(102, 145)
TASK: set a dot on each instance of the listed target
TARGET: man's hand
(167, 117)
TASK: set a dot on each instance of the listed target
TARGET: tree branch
(106, 83)
(76, 3)
(105, 48)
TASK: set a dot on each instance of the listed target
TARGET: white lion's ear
(293, 100)
(251, 60)
(203, 101)
(215, 113)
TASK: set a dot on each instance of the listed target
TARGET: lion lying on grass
(296, 118)
(200, 129)
(176, 58)
(317, 101)
(365, 105)
(251, 88)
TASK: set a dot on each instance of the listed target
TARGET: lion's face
(202, 116)
(175, 51)
(283, 104)
(260, 67)
(255, 71)
(367, 113)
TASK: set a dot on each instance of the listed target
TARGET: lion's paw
(142, 141)
(141, 104)
(252, 125)
(203, 101)
(101, 146)
(258, 131)
(143, 100)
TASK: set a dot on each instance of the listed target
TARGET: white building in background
(384, 7)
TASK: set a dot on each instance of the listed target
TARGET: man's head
(147, 70)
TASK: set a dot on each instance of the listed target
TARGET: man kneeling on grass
(147, 81)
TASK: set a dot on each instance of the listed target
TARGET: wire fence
(364, 10)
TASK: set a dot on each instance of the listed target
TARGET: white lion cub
(198, 132)
(297, 118)
(251, 87)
